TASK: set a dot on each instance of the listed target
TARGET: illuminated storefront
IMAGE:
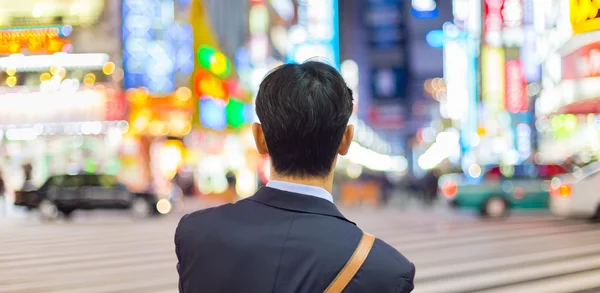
(223, 142)
(510, 74)
(567, 109)
(62, 109)
(154, 152)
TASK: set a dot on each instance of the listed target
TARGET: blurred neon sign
(212, 113)
(492, 69)
(584, 16)
(318, 22)
(583, 63)
(214, 61)
(516, 95)
(36, 40)
(424, 9)
(435, 38)
(207, 85)
(493, 21)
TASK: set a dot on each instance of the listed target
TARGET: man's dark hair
(304, 110)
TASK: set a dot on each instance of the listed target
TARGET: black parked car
(67, 193)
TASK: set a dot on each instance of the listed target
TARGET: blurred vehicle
(576, 194)
(501, 189)
(67, 193)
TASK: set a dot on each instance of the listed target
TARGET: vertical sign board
(529, 58)
(384, 21)
(149, 53)
(493, 21)
(319, 21)
(516, 94)
(493, 80)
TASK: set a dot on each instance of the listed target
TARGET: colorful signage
(205, 84)
(512, 13)
(492, 71)
(155, 47)
(582, 63)
(424, 9)
(493, 21)
(318, 21)
(584, 16)
(516, 93)
(385, 22)
(214, 61)
(100, 104)
(36, 40)
(212, 113)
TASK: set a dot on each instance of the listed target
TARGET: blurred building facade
(62, 105)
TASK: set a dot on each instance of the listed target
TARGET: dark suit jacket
(280, 242)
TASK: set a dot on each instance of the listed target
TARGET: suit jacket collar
(296, 202)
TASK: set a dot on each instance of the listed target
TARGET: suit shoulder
(391, 263)
(201, 214)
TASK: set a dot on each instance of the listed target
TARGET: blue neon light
(435, 38)
(424, 14)
(212, 113)
(154, 50)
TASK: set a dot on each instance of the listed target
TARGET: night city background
(476, 148)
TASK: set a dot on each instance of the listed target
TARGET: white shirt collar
(301, 189)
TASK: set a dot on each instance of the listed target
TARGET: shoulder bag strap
(353, 265)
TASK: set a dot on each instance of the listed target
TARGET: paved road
(453, 253)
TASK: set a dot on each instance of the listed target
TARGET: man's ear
(259, 139)
(346, 140)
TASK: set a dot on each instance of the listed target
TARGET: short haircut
(304, 110)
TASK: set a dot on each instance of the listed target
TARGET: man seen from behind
(289, 237)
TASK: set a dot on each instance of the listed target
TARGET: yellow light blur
(141, 121)
(163, 206)
(354, 171)
(154, 128)
(61, 72)
(53, 69)
(183, 94)
(246, 183)
(11, 71)
(11, 81)
(108, 68)
(89, 79)
(45, 76)
(171, 158)
(218, 63)
(212, 87)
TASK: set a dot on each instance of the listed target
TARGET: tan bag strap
(353, 265)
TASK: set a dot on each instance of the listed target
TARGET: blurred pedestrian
(387, 188)
(430, 187)
(289, 236)
(28, 182)
(3, 206)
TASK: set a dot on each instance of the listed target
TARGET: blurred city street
(454, 252)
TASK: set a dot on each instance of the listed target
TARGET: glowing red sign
(516, 93)
(493, 21)
(582, 63)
